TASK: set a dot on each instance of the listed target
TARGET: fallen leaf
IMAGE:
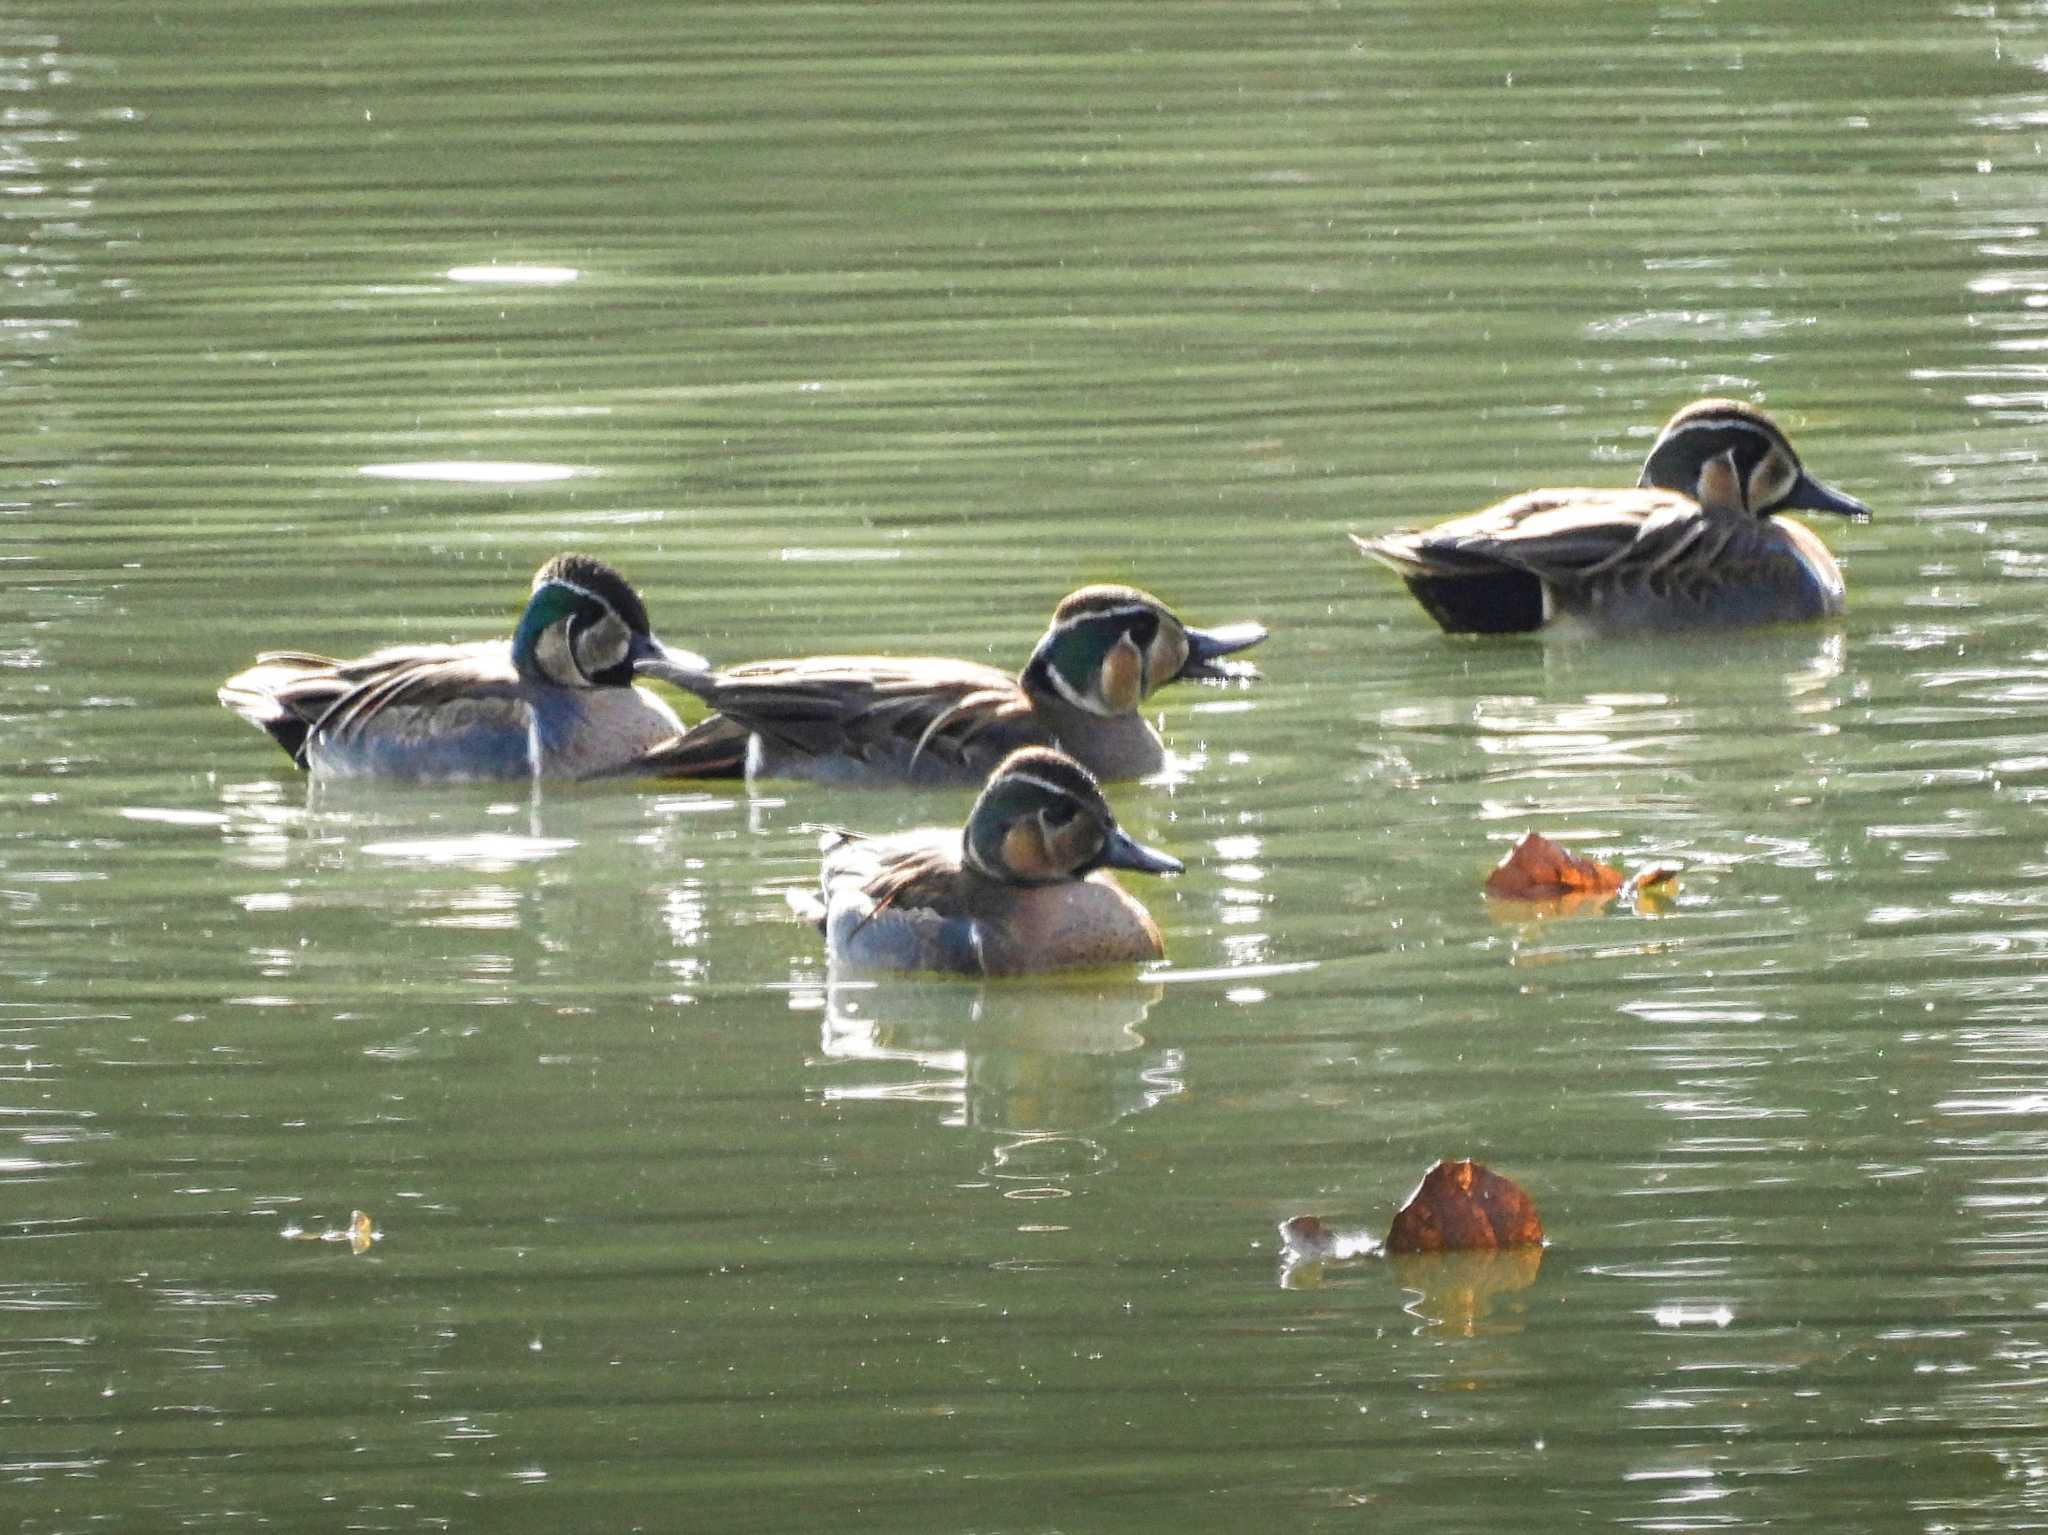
(1463, 1207)
(1537, 869)
(1552, 881)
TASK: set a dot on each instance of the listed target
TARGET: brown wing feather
(296, 695)
(1560, 536)
(870, 705)
(421, 678)
(926, 878)
(714, 747)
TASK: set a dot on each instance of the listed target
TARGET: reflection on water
(1460, 1294)
(1037, 1072)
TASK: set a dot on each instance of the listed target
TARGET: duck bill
(1122, 853)
(1810, 495)
(665, 663)
(1207, 647)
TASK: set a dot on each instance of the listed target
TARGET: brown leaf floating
(1538, 870)
(1464, 1207)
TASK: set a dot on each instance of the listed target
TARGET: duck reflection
(1759, 666)
(1566, 706)
(485, 893)
(1044, 1069)
(1655, 754)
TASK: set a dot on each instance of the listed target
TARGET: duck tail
(262, 695)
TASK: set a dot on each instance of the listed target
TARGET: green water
(885, 326)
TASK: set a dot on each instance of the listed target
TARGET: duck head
(585, 627)
(1732, 457)
(1110, 647)
(1041, 819)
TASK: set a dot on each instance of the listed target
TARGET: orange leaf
(1537, 869)
(1463, 1207)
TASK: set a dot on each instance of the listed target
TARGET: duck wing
(881, 710)
(904, 903)
(714, 747)
(303, 699)
(1562, 537)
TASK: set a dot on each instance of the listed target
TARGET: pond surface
(883, 327)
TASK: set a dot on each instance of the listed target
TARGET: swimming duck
(556, 700)
(1697, 543)
(1026, 887)
(927, 720)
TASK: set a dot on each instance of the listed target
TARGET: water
(887, 326)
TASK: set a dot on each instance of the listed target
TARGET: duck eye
(1144, 629)
(1059, 814)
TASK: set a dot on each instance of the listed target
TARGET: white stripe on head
(1725, 424)
(1067, 691)
(1090, 615)
(1017, 775)
(581, 591)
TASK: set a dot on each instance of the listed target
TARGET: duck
(557, 700)
(1025, 888)
(1700, 542)
(871, 720)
